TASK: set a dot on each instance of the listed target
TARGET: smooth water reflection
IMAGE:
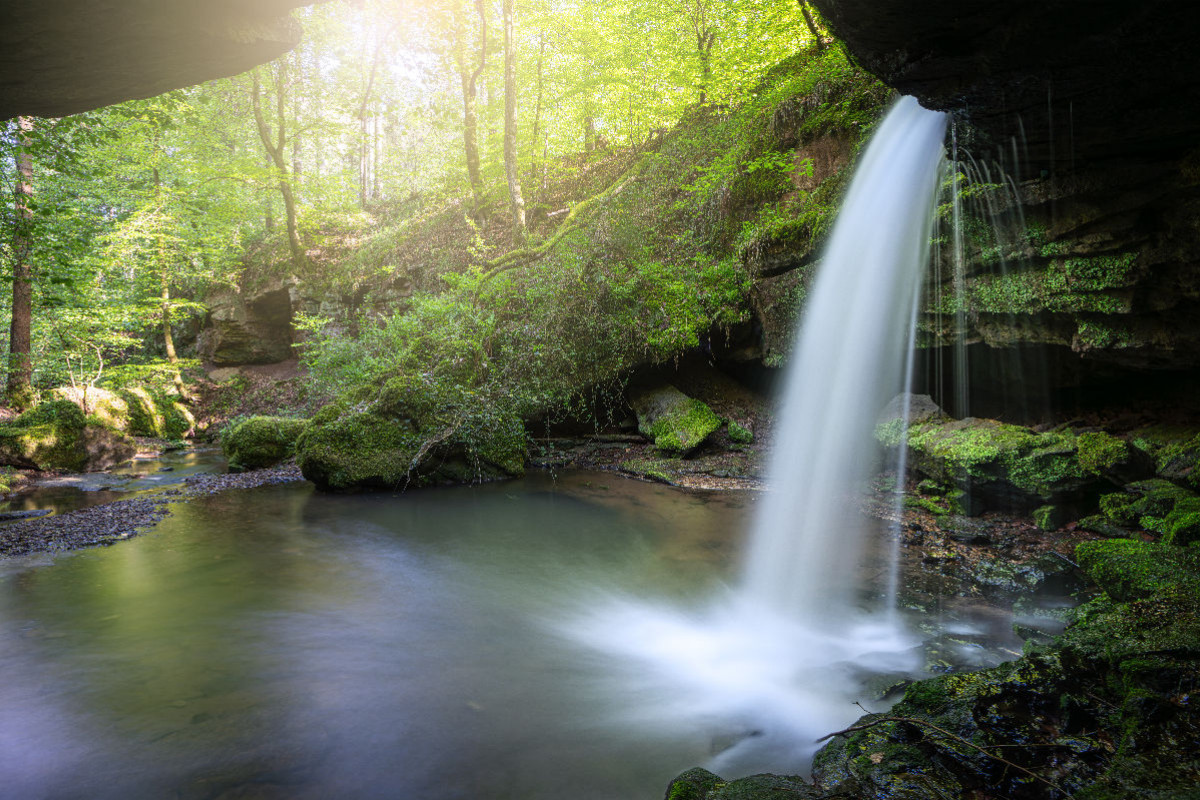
(280, 643)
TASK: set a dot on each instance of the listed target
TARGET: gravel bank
(112, 522)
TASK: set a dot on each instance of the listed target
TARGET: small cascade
(848, 361)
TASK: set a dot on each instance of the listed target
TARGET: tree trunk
(537, 112)
(165, 292)
(470, 92)
(811, 22)
(168, 339)
(511, 168)
(704, 44)
(366, 145)
(275, 149)
(20, 364)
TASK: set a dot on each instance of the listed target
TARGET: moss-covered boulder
(1128, 570)
(677, 424)
(260, 442)
(57, 435)
(1015, 468)
(700, 784)
(1155, 505)
(411, 431)
(106, 406)
(1175, 450)
(156, 414)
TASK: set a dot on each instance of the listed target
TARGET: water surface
(278, 642)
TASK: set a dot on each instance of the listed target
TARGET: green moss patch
(260, 442)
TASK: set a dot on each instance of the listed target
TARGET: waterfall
(847, 362)
(782, 656)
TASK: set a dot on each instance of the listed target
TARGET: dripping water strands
(992, 246)
(962, 367)
(785, 651)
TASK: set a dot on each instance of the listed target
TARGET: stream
(279, 642)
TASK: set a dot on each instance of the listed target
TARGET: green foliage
(154, 376)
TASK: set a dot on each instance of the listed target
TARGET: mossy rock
(700, 784)
(156, 414)
(1178, 462)
(1129, 570)
(1000, 465)
(1101, 712)
(260, 442)
(57, 436)
(655, 469)
(739, 434)
(106, 406)
(1154, 505)
(1050, 517)
(677, 424)
(411, 431)
(1181, 528)
(1174, 449)
(1098, 523)
(1101, 453)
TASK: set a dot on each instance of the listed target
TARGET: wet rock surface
(63, 57)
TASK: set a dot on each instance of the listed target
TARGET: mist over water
(785, 650)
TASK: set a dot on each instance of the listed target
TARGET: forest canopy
(123, 222)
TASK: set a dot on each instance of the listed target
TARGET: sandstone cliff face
(252, 327)
(1088, 114)
(60, 57)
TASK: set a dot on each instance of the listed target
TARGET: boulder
(156, 414)
(411, 431)
(135, 410)
(105, 405)
(1009, 467)
(260, 442)
(57, 435)
(677, 424)
(248, 328)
